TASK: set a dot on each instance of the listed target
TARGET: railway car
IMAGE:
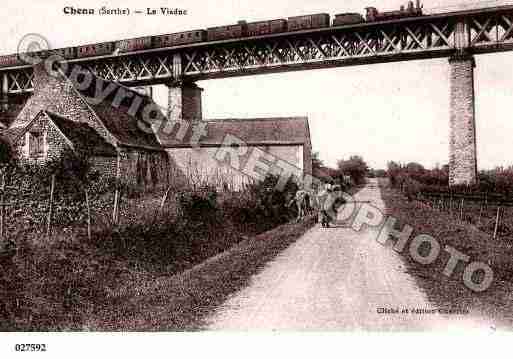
(10, 60)
(104, 48)
(348, 19)
(67, 52)
(180, 38)
(139, 43)
(227, 32)
(313, 21)
(410, 11)
(267, 27)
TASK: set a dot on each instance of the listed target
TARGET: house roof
(117, 120)
(256, 131)
(12, 134)
(83, 137)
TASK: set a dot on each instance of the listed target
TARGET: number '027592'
(30, 347)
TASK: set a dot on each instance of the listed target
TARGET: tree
(317, 163)
(355, 167)
(394, 171)
(5, 152)
(414, 168)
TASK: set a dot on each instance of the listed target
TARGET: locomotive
(240, 30)
(411, 11)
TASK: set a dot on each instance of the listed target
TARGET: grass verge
(183, 301)
(495, 303)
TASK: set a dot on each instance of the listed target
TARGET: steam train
(240, 30)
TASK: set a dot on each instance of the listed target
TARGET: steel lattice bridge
(432, 36)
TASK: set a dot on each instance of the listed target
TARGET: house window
(36, 143)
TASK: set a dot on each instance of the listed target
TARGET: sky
(383, 112)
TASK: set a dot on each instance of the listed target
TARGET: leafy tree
(5, 152)
(317, 163)
(355, 167)
(415, 168)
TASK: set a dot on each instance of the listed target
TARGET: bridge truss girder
(420, 38)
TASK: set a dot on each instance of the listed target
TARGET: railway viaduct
(457, 36)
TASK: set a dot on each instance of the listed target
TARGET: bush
(355, 167)
(263, 205)
(199, 204)
(29, 192)
(5, 153)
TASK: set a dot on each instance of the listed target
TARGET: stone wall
(54, 144)
(462, 144)
(106, 166)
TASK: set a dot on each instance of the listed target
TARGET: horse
(303, 201)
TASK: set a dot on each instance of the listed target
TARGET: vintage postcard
(255, 167)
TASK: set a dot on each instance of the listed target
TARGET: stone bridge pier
(462, 143)
(184, 97)
(184, 102)
(4, 89)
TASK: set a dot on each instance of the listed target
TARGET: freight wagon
(348, 19)
(227, 32)
(308, 22)
(180, 38)
(139, 43)
(10, 60)
(104, 48)
(267, 27)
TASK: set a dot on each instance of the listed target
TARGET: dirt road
(335, 279)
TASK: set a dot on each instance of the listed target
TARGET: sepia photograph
(244, 169)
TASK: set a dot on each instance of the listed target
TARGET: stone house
(49, 135)
(62, 116)
(233, 152)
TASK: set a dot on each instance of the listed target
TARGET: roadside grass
(494, 303)
(139, 278)
(183, 301)
(162, 268)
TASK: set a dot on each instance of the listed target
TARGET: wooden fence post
(88, 214)
(159, 209)
(50, 209)
(115, 210)
(496, 222)
(480, 214)
(2, 206)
